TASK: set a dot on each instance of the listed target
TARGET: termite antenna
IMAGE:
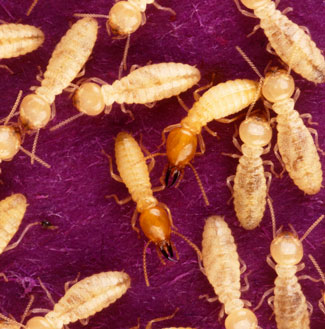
(32, 6)
(272, 217)
(200, 184)
(34, 147)
(12, 321)
(31, 301)
(13, 110)
(321, 273)
(64, 122)
(91, 15)
(149, 325)
(311, 228)
(145, 263)
(250, 63)
(36, 158)
(48, 294)
(125, 54)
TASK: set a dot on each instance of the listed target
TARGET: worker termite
(222, 269)
(124, 18)
(155, 217)
(250, 186)
(146, 85)
(288, 303)
(82, 300)
(290, 41)
(216, 103)
(295, 143)
(68, 58)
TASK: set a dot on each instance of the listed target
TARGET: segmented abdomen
(250, 191)
(220, 101)
(294, 46)
(152, 83)
(68, 58)
(88, 297)
(298, 152)
(132, 166)
(19, 39)
(220, 259)
(290, 306)
(12, 211)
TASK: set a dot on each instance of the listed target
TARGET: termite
(145, 85)
(82, 300)
(222, 269)
(250, 185)
(292, 43)
(68, 58)
(289, 304)
(218, 102)
(155, 217)
(295, 143)
(124, 18)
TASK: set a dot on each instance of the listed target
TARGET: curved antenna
(32, 6)
(311, 228)
(200, 184)
(91, 15)
(64, 122)
(36, 158)
(13, 109)
(12, 321)
(149, 325)
(145, 263)
(250, 63)
(125, 54)
(34, 147)
(272, 217)
(23, 317)
(321, 273)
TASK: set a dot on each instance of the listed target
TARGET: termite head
(278, 85)
(286, 249)
(88, 99)
(255, 131)
(39, 322)
(156, 226)
(242, 318)
(124, 18)
(34, 112)
(253, 4)
(180, 148)
(10, 141)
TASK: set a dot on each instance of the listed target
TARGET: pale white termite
(82, 300)
(145, 85)
(250, 186)
(222, 269)
(295, 143)
(68, 58)
(289, 303)
(290, 41)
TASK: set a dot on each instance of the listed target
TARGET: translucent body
(12, 211)
(18, 39)
(222, 268)
(84, 299)
(289, 41)
(10, 142)
(290, 306)
(250, 183)
(296, 145)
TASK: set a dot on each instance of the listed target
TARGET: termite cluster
(78, 234)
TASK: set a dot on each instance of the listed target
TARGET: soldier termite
(124, 18)
(216, 103)
(295, 143)
(82, 300)
(288, 303)
(145, 85)
(290, 41)
(155, 217)
(222, 269)
(68, 58)
(250, 186)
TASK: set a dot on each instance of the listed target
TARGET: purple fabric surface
(94, 233)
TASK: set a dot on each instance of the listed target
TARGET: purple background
(94, 234)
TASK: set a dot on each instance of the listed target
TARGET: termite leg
(48, 294)
(143, 18)
(201, 144)
(267, 293)
(134, 222)
(68, 284)
(309, 118)
(150, 105)
(6, 68)
(269, 179)
(288, 10)
(270, 261)
(308, 277)
(125, 54)
(246, 287)
(39, 76)
(244, 12)
(321, 305)
(232, 155)
(167, 130)
(158, 6)
(208, 298)
(277, 2)
(300, 267)
(196, 94)
(147, 153)
(226, 121)
(296, 95)
(117, 200)
(182, 104)
(304, 28)
(310, 308)
(229, 180)
(124, 110)
(270, 50)
(244, 267)
(84, 322)
(2, 275)
(134, 67)
(270, 301)
(32, 6)
(26, 312)
(113, 175)
(221, 313)
(256, 27)
(211, 132)
(149, 325)
(276, 153)
(315, 133)
(158, 188)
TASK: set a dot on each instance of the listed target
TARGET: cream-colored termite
(290, 41)
(155, 217)
(288, 303)
(145, 85)
(295, 143)
(222, 269)
(124, 18)
(250, 186)
(18, 39)
(82, 300)
(68, 58)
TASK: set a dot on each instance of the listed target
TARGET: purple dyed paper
(94, 233)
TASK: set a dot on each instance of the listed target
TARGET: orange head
(156, 226)
(180, 147)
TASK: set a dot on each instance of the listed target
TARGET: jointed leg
(315, 133)
(124, 110)
(149, 325)
(229, 180)
(211, 132)
(276, 153)
(270, 50)
(246, 287)
(296, 95)
(201, 144)
(113, 175)
(182, 104)
(117, 200)
(134, 222)
(196, 94)
(244, 12)
(4, 276)
(309, 118)
(288, 10)
(68, 284)
(147, 153)
(125, 54)
(267, 293)
(270, 262)
(256, 27)
(6, 68)
(158, 6)
(48, 294)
